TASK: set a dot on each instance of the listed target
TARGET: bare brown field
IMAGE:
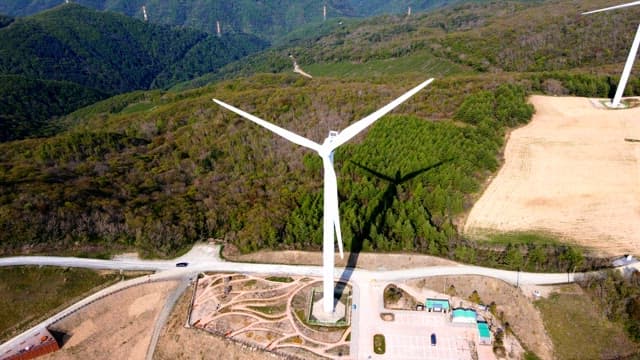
(116, 327)
(367, 261)
(571, 173)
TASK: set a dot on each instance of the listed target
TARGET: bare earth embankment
(116, 327)
(569, 172)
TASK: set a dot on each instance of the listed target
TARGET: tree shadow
(389, 195)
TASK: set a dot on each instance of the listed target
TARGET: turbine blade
(355, 128)
(293, 137)
(332, 211)
(612, 7)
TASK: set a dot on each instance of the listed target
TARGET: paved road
(162, 318)
(205, 258)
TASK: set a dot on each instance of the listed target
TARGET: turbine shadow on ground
(381, 209)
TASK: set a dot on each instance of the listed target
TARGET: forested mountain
(266, 19)
(27, 104)
(473, 37)
(104, 53)
(158, 170)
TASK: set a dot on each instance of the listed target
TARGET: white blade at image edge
(612, 7)
(291, 136)
(355, 128)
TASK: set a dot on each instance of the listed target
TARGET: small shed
(484, 334)
(437, 305)
(463, 316)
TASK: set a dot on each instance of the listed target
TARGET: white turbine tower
(630, 59)
(331, 218)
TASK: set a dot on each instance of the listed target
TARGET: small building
(462, 316)
(484, 335)
(437, 305)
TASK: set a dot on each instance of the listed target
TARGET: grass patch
(270, 310)
(30, 293)
(421, 62)
(580, 331)
(518, 238)
(283, 279)
(133, 108)
(379, 346)
(529, 355)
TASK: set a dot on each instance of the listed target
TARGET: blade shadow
(389, 195)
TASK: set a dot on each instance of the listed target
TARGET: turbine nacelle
(326, 150)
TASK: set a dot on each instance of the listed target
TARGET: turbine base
(338, 316)
(610, 105)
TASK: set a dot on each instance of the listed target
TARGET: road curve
(512, 277)
(205, 259)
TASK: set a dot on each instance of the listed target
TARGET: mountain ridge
(266, 19)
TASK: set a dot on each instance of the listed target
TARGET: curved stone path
(230, 312)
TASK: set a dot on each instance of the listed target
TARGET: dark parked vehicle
(433, 339)
(182, 264)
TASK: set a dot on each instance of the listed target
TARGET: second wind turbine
(331, 217)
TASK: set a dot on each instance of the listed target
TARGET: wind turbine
(630, 59)
(331, 218)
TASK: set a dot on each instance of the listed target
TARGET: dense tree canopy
(95, 54)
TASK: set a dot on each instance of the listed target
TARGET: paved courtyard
(409, 337)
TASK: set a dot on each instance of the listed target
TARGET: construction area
(574, 172)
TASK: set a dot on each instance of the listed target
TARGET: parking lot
(408, 337)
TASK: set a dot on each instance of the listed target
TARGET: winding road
(204, 258)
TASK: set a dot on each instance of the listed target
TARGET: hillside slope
(266, 19)
(158, 170)
(104, 53)
(506, 36)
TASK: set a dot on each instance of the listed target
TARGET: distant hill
(28, 104)
(106, 53)
(470, 37)
(266, 19)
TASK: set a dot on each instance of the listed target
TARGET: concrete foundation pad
(317, 311)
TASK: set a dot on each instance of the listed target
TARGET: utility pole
(324, 13)
(218, 30)
(144, 13)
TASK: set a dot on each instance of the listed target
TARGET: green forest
(60, 60)
(271, 20)
(158, 170)
(166, 169)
